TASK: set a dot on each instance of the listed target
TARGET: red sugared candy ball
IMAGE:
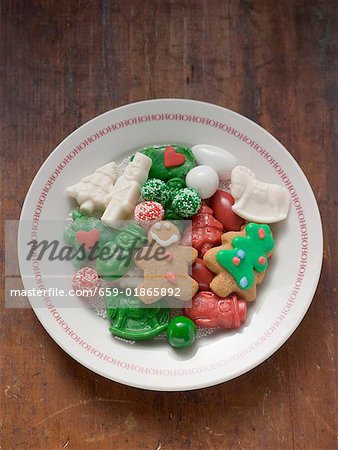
(147, 213)
(86, 283)
(221, 203)
(202, 275)
(210, 311)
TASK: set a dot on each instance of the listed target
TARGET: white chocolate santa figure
(126, 191)
(92, 191)
(256, 201)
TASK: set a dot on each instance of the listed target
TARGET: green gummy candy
(173, 186)
(131, 237)
(85, 223)
(117, 257)
(158, 168)
(131, 320)
(76, 214)
(171, 214)
(113, 262)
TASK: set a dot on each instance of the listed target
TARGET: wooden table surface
(66, 61)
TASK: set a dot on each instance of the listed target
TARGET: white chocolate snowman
(256, 201)
(92, 191)
(126, 191)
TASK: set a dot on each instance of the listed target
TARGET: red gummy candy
(205, 232)
(210, 311)
(202, 275)
(221, 203)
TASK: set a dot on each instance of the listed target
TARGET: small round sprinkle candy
(187, 202)
(86, 282)
(147, 213)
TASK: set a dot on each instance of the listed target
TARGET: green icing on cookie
(249, 253)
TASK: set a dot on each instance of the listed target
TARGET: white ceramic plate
(283, 298)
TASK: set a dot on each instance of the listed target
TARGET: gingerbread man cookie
(165, 264)
(241, 261)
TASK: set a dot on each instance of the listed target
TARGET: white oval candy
(216, 157)
(204, 180)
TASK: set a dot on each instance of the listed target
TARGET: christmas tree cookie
(241, 261)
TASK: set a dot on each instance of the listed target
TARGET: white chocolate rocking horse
(256, 201)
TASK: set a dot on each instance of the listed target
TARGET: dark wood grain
(62, 63)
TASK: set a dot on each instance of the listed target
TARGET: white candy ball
(204, 180)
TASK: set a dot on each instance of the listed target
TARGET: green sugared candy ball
(186, 202)
(181, 332)
(153, 190)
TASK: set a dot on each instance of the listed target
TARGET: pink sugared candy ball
(221, 203)
(86, 282)
(147, 213)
